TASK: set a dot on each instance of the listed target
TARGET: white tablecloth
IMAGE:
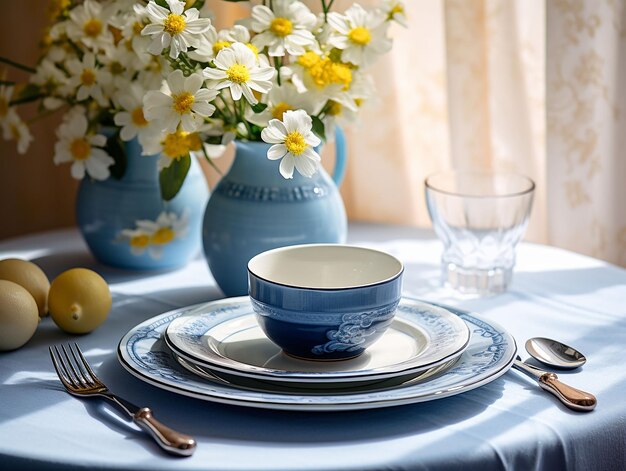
(508, 424)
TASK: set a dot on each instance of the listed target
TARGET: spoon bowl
(554, 353)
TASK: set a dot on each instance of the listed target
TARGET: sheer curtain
(526, 85)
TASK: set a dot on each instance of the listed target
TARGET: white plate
(489, 355)
(224, 336)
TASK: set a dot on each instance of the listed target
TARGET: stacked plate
(216, 351)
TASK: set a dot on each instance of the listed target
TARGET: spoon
(555, 354)
(573, 398)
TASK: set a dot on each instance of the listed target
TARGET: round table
(509, 423)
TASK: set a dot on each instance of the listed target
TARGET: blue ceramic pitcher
(126, 224)
(253, 209)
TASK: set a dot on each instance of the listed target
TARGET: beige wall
(34, 193)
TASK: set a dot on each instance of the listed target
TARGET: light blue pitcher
(108, 213)
(253, 209)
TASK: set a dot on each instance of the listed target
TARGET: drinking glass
(480, 217)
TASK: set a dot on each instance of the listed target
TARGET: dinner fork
(80, 380)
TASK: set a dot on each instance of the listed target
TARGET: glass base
(474, 281)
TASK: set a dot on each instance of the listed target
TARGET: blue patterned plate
(489, 355)
(224, 336)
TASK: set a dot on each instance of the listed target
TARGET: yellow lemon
(79, 300)
(29, 276)
(18, 315)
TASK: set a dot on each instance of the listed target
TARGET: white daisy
(167, 228)
(131, 119)
(89, 78)
(287, 26)
(395, 11)
(284, 98)
(206, 47)
(15, 128)
(48, 76)
(172, 28)
(82, 149)
(294, 143)
(153, 236)
(182, 102)
(361, 35)
(137, 239)
(236, 67)
(213, 42)
(171, 146)
(88, 24)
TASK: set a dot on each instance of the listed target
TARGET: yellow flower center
(139, 241)
(163, 236)
(174, 24)
(397, 8)
(194, 142)
(219, 45)
(254, 49)
(295, 143)
(56, 7)
(279, 109)
(116, 68)
(360, 36)
(80, 149)
(309, 59)
(88, 77)
(238, 73)
(137, 27)
(334, 108)
(92, 27)
(281, 27)
(326, 72)
(176, 145)
(138, 118)
(183, 102)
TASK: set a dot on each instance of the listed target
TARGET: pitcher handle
(340, 156)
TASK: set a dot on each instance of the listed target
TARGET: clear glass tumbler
(480, 217)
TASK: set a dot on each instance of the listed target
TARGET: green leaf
(259, 107)
(318, 128)
(162, 3)
(115, 148)
(171, 178)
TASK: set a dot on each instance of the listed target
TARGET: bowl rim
(326, 289)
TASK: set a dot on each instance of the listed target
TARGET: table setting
(240, 426)
(252, 326)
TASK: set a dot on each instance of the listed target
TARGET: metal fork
(80, 380)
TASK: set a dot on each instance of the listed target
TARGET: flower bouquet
(160, 74)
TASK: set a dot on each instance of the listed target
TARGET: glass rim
(430, 186)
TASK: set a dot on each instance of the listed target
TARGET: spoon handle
(573, 398)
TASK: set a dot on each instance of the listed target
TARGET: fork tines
(72, 368)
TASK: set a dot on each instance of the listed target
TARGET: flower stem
(17, 65)
(278, 62)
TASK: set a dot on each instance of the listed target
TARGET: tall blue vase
(253, 209)
(126, 224)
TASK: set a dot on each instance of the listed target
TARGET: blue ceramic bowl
(324, 301)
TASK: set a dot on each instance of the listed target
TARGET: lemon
(19, 315)
(29, 276)
(79, 300)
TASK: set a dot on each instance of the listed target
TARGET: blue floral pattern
(489, 354)
(354, 330)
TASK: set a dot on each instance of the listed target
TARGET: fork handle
(168, 439)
